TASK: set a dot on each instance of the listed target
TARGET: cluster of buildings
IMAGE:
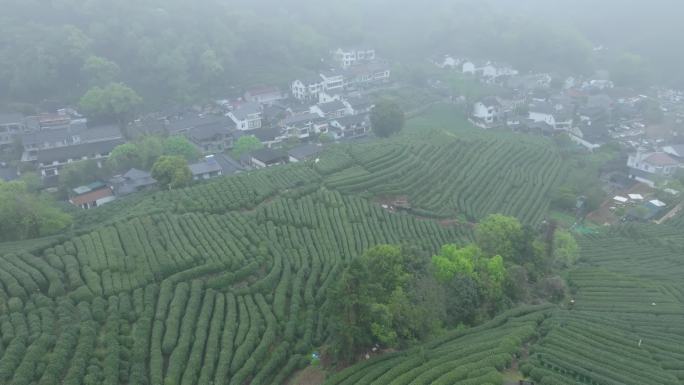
(487, 71)
(333, 103)
(48, 142)
(350, 70)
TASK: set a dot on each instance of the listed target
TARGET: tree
(453, 260)
(179, 146)
(565, 249)
(114, 102)
(100, 71)
(500, 235)
(387, 118)
(79, 173)
(139, 154)
(378, 300)
(24, 215)
(171, 171)
(245, 144)
(124, 156)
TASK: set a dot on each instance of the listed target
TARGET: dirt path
(671, 214)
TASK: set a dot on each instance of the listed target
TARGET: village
(334, 105)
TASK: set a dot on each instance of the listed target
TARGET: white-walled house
(308, 89)
(333, 109)
(557, 116)
(346, 58)
(469, 67)
(332, 81)
(647, 166)
(486, 112)
(247, 116)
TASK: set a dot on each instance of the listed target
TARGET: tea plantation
(223, 282)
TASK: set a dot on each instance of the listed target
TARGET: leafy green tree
(32, 181)
(565, 248)
(179, 146)
(24, 215)
(453, 260)
(387, 118)
(140, 154)
(171, 171)
(124, 157)
(114, 102)
(500, 235)
(100, 71)
(378, 300)
(245, 144)
(79, 173)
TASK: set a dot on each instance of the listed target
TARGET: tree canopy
(387, 118)
(245, 144)
(113, 102)
(171, 171)
(25, 215)
(500, 235)
(179, 146)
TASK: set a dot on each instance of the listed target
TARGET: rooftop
(351, 120)
(333, 106)
(206, 166)
(266, 134)
(244, 111)
(92, 196)
(77, 151)
(268, 155)
(305, 151)
(228, 165)
(210, 130)
(661, 159)
(301, 118)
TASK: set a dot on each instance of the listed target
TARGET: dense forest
(178, 52)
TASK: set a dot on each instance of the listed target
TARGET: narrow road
(671, 214)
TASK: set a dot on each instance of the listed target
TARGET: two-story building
(49, 161)
(647, 167)
(304, 125)
(307, 89)
(346, 58)
(213, 136)
(557, 116)
(247, 116)
(368, 74)
(352, 126)
(74, 134)
(486, 112)
(331, 110)
(333, 81)
(206, 168)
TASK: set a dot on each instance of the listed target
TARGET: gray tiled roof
(305, 151)
(243, 112)
(268, 155)
(77, 151)
(333, 106)
(206, 166)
